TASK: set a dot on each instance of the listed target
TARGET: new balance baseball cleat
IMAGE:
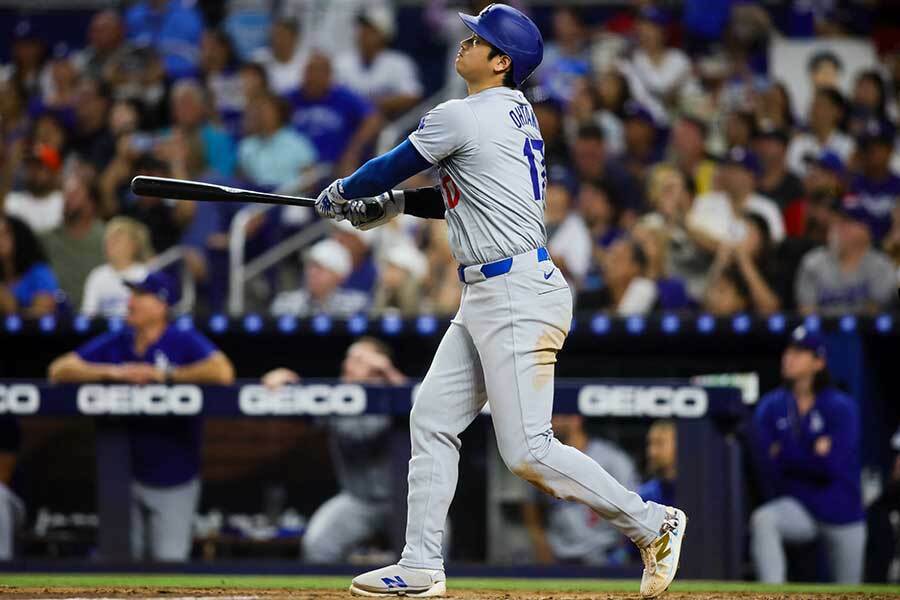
(661, 556)
(397, 580)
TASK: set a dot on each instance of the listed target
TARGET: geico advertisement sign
(19, 399)
(314, 399)
(642, 401)
(140, 400)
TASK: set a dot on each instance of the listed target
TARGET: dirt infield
(176, 593)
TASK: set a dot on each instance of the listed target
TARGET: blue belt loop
(500, 267)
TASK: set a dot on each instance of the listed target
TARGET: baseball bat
(182, 189)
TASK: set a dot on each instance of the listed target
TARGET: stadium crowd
(681, 175)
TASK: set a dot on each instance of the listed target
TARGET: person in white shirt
(718, 216)
(40, 204)
(386, 77)
(127, 247)
(661, 70)
(568, 237)
(325, 25)
(285, 58)
(826, 114)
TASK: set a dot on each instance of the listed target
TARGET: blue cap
(851, 207)
(511, 32)
(158, 284)
(828, 160)
(655, 15)
(636, 110)
(742, 157)
(878, 130)
(803, 338)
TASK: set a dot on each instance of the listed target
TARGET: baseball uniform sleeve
(444, 130)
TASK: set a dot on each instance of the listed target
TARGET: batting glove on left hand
(331, 203)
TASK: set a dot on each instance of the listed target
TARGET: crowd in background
(681, 176)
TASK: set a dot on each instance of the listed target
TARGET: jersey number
(451, 192)
(538, 179)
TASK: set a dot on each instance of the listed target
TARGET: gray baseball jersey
(490, 155)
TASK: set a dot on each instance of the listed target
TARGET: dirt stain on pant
(545, 350)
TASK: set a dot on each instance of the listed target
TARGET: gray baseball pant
(786, 520)
(162, 519)
(12, 515)
(501, 348)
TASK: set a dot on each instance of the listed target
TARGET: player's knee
(316, 551)
(762, 518)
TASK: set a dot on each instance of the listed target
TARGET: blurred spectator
(105, 43)
(881, 539)
(401, 269)
(572, 533)
(218, 63)
(662, 463)
(823, 183)
(612, 96)
(285, 58)
(59, 83)
(363, 274)
(876, 188)
(671, 199)
(190, 117)
(138, 73)
(568, 237)
(254, 82)
(173, 28)
(662, 70)
(601, 216)
(40, 204)
(272, 153)
(326, 267)
(165, 452)
(27, 283)
(775, 180)
(388, 78)
(773, 108)
(13, 116)
(718, 215)
(29, 49)
(806, 441)
(91, 139)
(442, 288)
(12, 509)
(627, 289)
(641, 136)
(248, 23)
(340, 123)
(326, 27)
(671, 291)
(126, 244)
(50, 131)
(591, 162)
(848, 275)
(826, 117)
(360, 454)
(727, 294)
(868, 103)
(76, 247)
(549, 115)
(754, 260)
(824, 69)
(687, 149)
(740, 128)
(566, 57)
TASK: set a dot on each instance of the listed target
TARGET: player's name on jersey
(642, 401)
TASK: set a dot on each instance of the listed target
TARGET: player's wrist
(398, 197)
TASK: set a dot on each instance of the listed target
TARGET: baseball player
(515, 312)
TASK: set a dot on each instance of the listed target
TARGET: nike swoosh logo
(547, 275)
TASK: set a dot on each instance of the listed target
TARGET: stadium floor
(197, 587)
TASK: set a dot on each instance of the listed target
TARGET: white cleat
(662, 555)
(397, 580)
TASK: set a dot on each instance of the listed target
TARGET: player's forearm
(384, 172)
(215, 370)
(70, 368)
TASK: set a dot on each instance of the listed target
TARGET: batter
(514, 315)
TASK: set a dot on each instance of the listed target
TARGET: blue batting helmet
(511, 32)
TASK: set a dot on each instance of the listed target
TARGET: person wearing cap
(173, 28)
(40, 204)
(165, 452)
(806, 443)
(807, 217)
(776, 181)
(567, 58)
(91, 137)
(826, 114)
(327, 266)
(847, 275)
(401, 269)
(386, 77)
(642, 133)
(662, 70)
(877, 188)
(717, 217)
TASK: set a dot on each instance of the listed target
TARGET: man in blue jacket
(165, 452)
(807, 448)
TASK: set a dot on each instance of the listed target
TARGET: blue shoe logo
(547, 275)
(395, 582)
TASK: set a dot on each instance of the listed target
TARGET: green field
(89, 581)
